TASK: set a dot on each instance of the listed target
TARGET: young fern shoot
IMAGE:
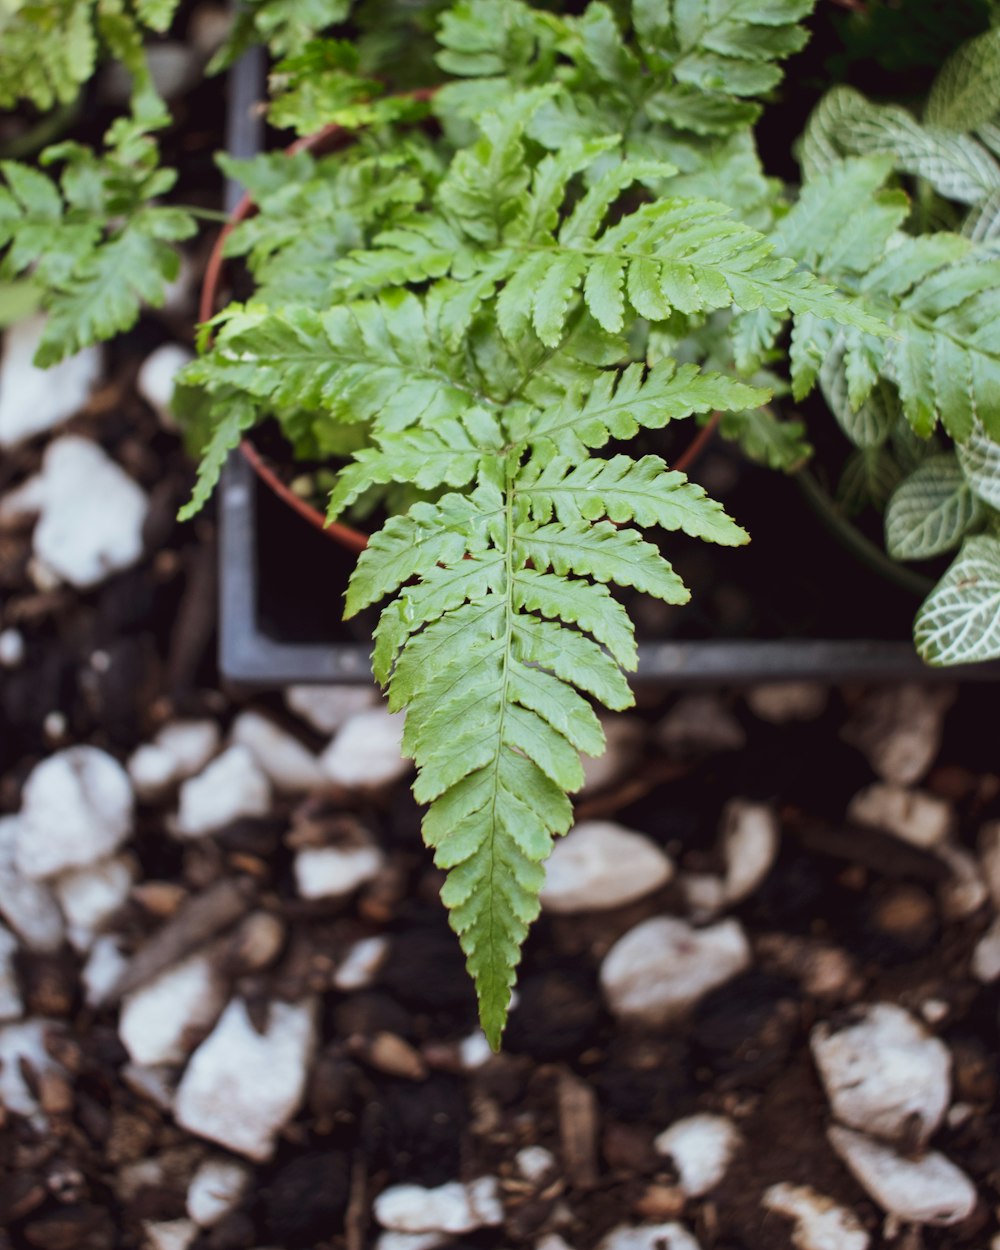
(478, 343)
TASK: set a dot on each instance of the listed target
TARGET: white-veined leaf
(931, 511)
(959, 621)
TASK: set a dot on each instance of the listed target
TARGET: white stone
(92, 514)
(333, 872)
(700, 724)
(34, 400)
(884, 1073)
(701, 1147)
(23, 1042)
(11, 648)
(916, 817)
(750, 841)
(648, 1237)
(216, 1189)
(450, 1208)
(898, 728)
(599, 864)
(190, 743)
(327, 708)
(11, 1002)
(169, 1234)
(366, 751)
(231, 787)
(27, 906)
(77, 808)
(90, 896)
(242, 1087)
(623, 735)
(105, 965)
(474, 1051)
(704, 894)
(820, 1224)
(361, 964)
(964, 890)
(662, 967)
(162, 1021)
(178, 751)
(535, 1163)
(985, 964)
(291, 767)
(157, 375)
(780, 702)
(928, 1190)
(152, 770)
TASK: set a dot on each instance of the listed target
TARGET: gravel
(34, 400)
(77, 808)
(366, 751)
(925, 1190)
(916, 817)
(884, 1073)
(701, 1148)
(163, 1021)
(600, 864)
(819, 1223)
(241, 1086)
(660, 969)
(91, 514)
(232, 786)
(449, 1208)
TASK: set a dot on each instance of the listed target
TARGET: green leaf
(107, 291)
(871, 423)
(235, 417)
(622, 489)
(959, 621)
(604, 552)
(156, 14)
(846, 124)
(48, 50)
(979, 457)
(618, 405)
(931, 511)
(964, 94)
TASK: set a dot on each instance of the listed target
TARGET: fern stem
(856, 542)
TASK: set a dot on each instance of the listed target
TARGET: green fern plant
(479, 345)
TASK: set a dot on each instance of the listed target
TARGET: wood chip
(197, 920)
(578, 1129)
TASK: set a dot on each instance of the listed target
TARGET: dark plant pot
(282, 579)
(281, 585)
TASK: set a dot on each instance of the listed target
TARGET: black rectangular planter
(262, 602)
(281, 581)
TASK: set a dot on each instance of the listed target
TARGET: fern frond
(622, 489)
(496, 730)
(943, 353)
(98, 245)
(371, 360)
